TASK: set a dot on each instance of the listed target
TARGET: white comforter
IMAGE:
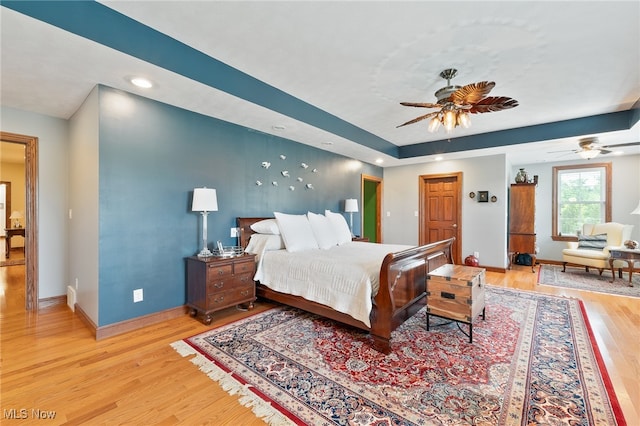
(344, 277)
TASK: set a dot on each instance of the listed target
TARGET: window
(581, 194)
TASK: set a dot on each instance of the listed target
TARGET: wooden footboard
(402, 288)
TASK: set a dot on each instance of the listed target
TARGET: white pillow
(259, 243)
(296, 232)
(267, 226)
(323, 231)
(340, 228)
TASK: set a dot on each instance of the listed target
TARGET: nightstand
(215, 283)
(361, 239)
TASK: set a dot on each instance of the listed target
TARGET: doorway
(440, 216)
(372, 208)
(30, 214)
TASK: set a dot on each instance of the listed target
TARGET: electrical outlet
(476, 254)
(234, 233)
(137, 295)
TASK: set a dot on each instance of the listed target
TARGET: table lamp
(16, 216)
(204, 201)
(351, 207)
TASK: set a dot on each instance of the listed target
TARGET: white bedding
(343, 277)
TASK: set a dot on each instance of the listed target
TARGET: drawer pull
(219, 285)
(446, 295)
(244, 293)
(219, 299)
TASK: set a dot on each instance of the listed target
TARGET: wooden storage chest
(456, 292)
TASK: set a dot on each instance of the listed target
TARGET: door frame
(31, 214)
(378, 182)
(423, 210)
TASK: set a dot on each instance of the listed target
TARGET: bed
(400, 292)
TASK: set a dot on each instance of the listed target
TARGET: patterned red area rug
(532, 361)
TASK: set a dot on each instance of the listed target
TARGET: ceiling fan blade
(604, 151)
(622, 144)
(493, 103)
(422, 117)
(472, 93)
(421, 104)
(564, 150)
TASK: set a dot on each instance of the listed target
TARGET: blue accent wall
(152, 155)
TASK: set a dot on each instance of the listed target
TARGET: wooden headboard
(244, 225)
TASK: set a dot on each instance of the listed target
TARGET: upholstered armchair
(592, 247)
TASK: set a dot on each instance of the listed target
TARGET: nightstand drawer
(214, 270)
(230, 297)
(242, 267)
(244, 279)
(224, 283)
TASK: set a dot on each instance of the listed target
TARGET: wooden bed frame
(402, 287)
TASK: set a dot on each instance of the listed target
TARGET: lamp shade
(637, 210)
(351, 205)
(204, 200)
(15, 215)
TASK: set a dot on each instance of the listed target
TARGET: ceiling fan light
(434, 124)
(588, 154)
(449, 120)
(464, 120)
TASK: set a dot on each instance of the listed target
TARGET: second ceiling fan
(590, 147)
(455, 103)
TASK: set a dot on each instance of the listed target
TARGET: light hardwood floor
(51, 362)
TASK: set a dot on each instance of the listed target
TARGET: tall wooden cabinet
(522, 210)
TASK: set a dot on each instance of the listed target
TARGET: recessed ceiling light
(439, 158)
(278, 127)
(327, 143)
(379, 161)
(141, 82)
(618, 152)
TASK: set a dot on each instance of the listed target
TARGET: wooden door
(440, 215)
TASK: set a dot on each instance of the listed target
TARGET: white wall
(625, 196)
(84, 204)
(52, 134)
(484, 225)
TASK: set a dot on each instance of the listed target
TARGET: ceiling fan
(455, 103)
(590, 147)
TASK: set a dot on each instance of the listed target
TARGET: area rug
(532, 361)
(580, 279)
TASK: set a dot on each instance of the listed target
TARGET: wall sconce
(204, 201)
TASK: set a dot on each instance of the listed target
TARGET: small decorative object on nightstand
(361, 239)
(215, 283)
